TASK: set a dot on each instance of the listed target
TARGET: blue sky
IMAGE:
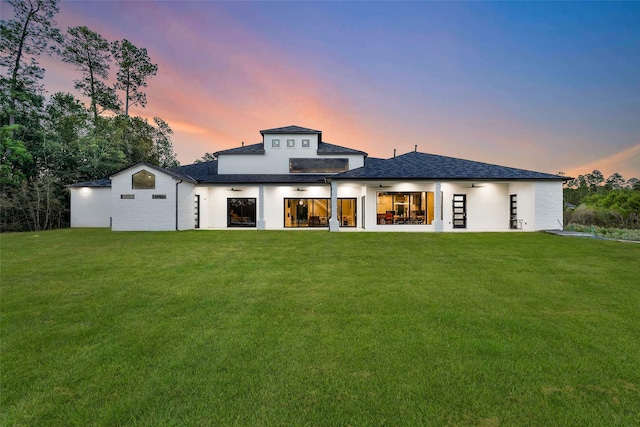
(548, 86)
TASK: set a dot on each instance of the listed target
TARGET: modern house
(294, 179)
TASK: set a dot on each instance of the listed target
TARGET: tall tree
(22, 41)
(614, 182)
(14, 157)
(633, 183)
(162, 146)
(208, 157)
(594, 179)
(134, 68)
(89, 52)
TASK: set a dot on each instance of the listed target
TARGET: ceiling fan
(384, 186)
(474, 186)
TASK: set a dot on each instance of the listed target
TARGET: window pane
(143, 180)
(404, 208)
(306, 212)
(241, 212)
(347, 212)
(318, 165)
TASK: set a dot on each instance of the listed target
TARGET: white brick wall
(548, 205)
(143, 213)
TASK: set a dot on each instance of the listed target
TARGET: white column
(437, 222)
(261, 223)
(334, 224)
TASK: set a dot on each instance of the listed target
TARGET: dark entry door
(459, 211)
(197, 211)
(513, 211)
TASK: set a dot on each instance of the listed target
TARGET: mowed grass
(320, 329)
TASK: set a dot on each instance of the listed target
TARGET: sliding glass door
(310, 212)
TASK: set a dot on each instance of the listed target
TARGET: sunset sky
(543, 86)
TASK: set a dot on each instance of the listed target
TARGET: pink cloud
(625, 162)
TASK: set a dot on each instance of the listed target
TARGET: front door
(459, 211)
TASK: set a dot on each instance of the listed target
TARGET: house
(294, 179)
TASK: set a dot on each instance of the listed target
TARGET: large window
(143, 180)
(316, 212)
(302, 165)
(241, 212)
(405, 208)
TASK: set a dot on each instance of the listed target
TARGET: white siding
(90, 207)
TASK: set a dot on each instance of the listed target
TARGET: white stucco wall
(488, 206)
(186, 206)
(539, 203)
(143, 213)
(525, 190)
(90, 207)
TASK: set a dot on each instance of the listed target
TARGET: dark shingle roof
(246, 149)
(171, 172)
(326, 148)
(199, 171)
(207, 173)
(104, 182)
(323, 148)
(416, 165)
(290, 129)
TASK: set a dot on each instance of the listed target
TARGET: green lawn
(320, 329)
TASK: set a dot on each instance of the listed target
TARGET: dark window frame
(138, 181)
(241, 212)
(313, 219)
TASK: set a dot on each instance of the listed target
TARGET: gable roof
(290, 129)
(170, 172)
(415, 165)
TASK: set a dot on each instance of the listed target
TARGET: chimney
(243, 143)
(394, 152)
(415, 148)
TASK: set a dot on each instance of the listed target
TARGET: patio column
(437, 222)
(334, 224)
(261, 224)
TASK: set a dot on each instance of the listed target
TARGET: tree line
(49, 142)
(593, 200)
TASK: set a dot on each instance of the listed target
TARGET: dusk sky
(542, 86)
